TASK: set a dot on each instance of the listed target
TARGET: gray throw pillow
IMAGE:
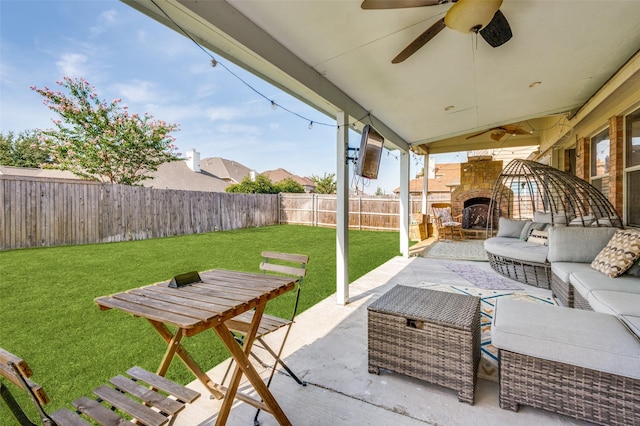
(511, 228)
(531, 226)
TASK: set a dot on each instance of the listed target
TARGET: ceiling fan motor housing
(470, 16)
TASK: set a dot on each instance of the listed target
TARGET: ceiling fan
(467, 16)
(498, 133)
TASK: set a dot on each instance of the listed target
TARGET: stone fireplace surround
(477, 179)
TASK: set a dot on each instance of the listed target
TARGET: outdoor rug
(461, 250)
(488, 368)
(487, 280)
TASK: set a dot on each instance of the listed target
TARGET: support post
(342, 209)
(425, 189)
(404, 203)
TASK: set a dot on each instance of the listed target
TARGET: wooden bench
(125, 398)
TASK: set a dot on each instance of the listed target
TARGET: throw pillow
(530, 226)
(443, 213)
(542, 217)
(582, 221)
(622, 250)
(634, 270)
(558, 217)
(605, 222)
(510, 227)
(538, 237)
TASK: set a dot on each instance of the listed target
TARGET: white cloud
(137, 91)
(105, 20)
(243, 129)
(72, 65)
(224, 113)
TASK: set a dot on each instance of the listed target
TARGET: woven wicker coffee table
(426, 334)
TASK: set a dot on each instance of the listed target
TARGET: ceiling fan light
(470, 16)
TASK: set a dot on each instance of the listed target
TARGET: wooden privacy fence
(367, 213)
(39, 212)
(44, 212)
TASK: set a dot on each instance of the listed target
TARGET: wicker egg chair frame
(525, 187)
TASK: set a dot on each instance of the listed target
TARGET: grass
(50, 320)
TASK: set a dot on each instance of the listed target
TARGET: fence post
(279, 207)
(314, 208)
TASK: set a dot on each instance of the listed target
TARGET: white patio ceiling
(336, 56)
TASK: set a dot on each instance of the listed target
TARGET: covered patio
(327, 347)
(570, 71)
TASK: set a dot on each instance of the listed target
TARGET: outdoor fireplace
(473, 196)
(475, 213)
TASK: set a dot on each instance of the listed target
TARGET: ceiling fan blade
(399, 4)
(497, 32)
(422, 39)
(479, 134)
(514, 130)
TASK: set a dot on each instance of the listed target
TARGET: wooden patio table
(208, 304)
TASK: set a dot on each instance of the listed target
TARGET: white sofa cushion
(584, 282)
(632, 322)
(584, 338)
(568, 244)
(615, 302)
(563, 269)
(513, 248)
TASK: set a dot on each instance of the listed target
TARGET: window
(632, 153)
(632, 122)
(600, 145)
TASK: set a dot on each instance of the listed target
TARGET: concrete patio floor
(327, 347)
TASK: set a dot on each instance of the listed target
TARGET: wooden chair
(445, 222)
(280, 263)
(122, 399)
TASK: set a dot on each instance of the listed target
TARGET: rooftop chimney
(193, 160)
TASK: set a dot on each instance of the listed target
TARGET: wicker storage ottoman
(430, 335)
(578, 363)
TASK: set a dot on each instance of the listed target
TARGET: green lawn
(49, 317)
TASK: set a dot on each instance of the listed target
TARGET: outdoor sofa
(584, 362)
(519, 250)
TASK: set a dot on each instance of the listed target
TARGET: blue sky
(127, 55)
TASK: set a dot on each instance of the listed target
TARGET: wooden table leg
(243, 365)
(175, 347)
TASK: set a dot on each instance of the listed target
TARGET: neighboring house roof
(281, 174)
(40, 173)
(177, 175)
(446, 175)
(228, 170)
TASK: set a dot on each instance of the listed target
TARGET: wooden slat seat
(145, 397)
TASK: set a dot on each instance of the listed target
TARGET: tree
(23, 150)
(102, 141)
(379, 191)
(326, 184)
(289, 185)
(263, 185)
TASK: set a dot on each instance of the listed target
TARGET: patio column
(342, 209)
(405, 207)
(425, 187)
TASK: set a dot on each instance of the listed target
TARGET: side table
(427, 334)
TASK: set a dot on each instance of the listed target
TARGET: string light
(215, 63)
(310, 125)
